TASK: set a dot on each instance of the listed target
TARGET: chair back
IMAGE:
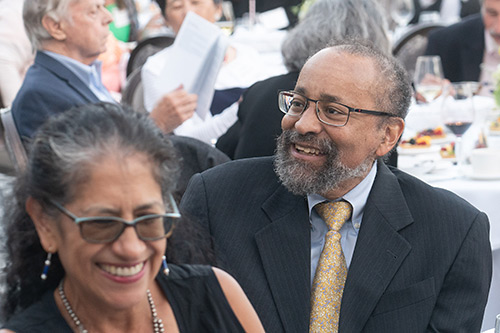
(13, 144)
(146, 48)
(195, 156)
(412, 44)
(133, 93)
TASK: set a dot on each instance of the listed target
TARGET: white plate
(472, 175)
(447, 139)
(494, 133)
(418, 167)
(415, 151)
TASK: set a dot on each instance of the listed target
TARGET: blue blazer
(49, 88)
(422, 260)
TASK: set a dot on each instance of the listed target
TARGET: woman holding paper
(237, 72)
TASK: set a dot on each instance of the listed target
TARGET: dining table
(482, 191)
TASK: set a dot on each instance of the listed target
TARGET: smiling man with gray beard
(326, 237)
(300, 178)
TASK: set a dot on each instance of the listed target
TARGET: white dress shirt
(491, 60)
(90, 75)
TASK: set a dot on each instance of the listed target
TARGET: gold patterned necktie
(330, 276)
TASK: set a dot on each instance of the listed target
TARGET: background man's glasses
(107, 229)
(330, 113)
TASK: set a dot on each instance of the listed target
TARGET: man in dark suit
(464, 8)
(469, 49)
(68, 36)
(461, 48)
(258, 125)
(418, 258)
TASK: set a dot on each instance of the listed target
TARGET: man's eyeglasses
(329, 113)
(107, 229)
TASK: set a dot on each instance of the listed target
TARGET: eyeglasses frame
(78, 220)
(351, 109)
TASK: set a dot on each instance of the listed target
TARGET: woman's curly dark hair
(61, 157)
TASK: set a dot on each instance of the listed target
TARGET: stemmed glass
(227, 21)
(457, 112)
(428, 77)
(402, 11)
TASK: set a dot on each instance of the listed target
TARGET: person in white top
(239, 70)
(16, 54)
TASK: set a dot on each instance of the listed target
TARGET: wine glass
(428, 77)
(457, 112)
(227, 21)
(402, 11)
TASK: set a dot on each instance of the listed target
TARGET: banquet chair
(133, 93)
(195, 156)
(12, 143)
(146, 48)
(412, 44)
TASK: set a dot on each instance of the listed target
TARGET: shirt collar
(490, 45)
(357, 197)
(82, 71)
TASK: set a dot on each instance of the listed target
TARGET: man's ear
(54, 28)
(393, 129)
(44, 225)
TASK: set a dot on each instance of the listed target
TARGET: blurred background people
(126, 31)
(449, 11)
(94, 223)
(241, 7)
(125, 23)
(16, 54)
(259, 118)
(469, 49)
(240, 68)
(69, 36)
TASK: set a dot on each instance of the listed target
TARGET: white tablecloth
(483, 194)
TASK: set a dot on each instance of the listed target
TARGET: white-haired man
(68, 35)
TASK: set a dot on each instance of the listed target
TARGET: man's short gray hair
(392, 91)
(327, 20)
(33, 13)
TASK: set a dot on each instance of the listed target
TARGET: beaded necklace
(157, 322)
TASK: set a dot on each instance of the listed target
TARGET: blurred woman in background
(240, 68)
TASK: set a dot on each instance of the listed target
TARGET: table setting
(452, 141)
(446, 126)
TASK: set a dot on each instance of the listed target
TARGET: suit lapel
(284, 247)
(62, 72)
(379, 251)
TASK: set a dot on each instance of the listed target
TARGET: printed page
(196, 57)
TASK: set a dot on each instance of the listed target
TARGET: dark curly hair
(61, 156)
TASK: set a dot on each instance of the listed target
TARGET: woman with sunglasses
(87, 234)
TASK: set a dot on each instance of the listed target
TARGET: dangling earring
(46, 267)
(166, 271)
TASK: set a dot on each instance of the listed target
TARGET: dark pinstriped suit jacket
(422, 261)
